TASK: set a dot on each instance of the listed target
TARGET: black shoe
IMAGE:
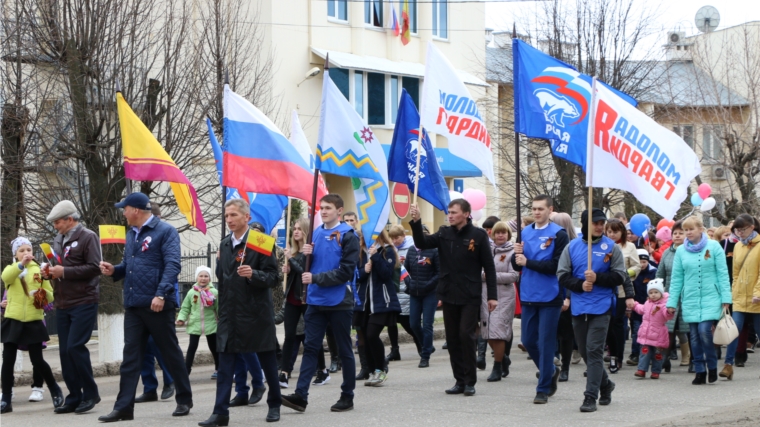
(563, 376)
(239, 400)
(605, 393)
(614, 367)
(719, 351)
(150, 396)
(482, 347)
(295, 402)
(335, 365)
(481, 362)
(701, 378)
(674, 355)
(5, 407)
(555, 378)
(216, 420)
(740, 360)
(457, 389)
(273, 415)
(585, 374)
(342, 405)
(393, 355)
(589, 405)
(495, 373)
(181, 410)
(541, 398)
(363, 374)
(666, 366)
(469, 390)
(117, 416)
(445, 345)
(256, 395)
(424, 363)
(65, 409)
(167, 392)
(712, 375)
(58, 398)
(87, 405)
(633, 360)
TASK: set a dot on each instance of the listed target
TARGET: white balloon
(476, 215)
(455, 195)
(707, 204)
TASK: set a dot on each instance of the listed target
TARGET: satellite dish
(707, 19)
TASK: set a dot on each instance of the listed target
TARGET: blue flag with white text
(402, 159)
(553, 101)
(265, 208)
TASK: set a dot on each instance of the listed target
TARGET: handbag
(726, 331)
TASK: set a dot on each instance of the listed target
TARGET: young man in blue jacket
(593, 300)
(541, 296)
(150, 268)
(330, 291)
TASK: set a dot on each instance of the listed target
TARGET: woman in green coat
(199, 312)
(677, 326)
(700, 281)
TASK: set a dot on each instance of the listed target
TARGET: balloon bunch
(476, 198)
(702, 198)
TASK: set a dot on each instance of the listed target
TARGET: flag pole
(518, 220)
(127, 181)
(590, 168)
(314, 195)
(417, 169)
(287, 241)
(224, 188)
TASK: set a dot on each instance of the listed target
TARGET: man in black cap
(150, 268)
(593, 299)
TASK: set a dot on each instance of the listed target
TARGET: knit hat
(18, 242)
(201, 269)
(665, 234)
(643, 254)
(64, 208)
(656, 284)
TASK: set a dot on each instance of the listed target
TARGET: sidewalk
(202, 356)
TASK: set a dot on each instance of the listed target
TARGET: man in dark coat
(464, 252)
(246, 318)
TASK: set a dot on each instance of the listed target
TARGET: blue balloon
(696, 200)
(640, 224)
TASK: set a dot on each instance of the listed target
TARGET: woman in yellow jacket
(746, 287)
(27, 295)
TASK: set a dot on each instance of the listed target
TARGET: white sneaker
(371, 379)
(37, 393)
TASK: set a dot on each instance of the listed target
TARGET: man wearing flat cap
(593, 298)
(75, 280)
(150, 268)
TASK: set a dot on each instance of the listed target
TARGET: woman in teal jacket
(700, 280)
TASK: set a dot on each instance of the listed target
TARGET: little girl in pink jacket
(653, 333)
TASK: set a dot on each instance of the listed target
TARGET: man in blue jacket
(150, 268)
(330, 291)
(593, 300)
(541, 296)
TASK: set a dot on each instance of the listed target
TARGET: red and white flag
(629, 151)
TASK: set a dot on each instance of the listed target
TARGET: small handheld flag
(260, 242)
(112, 234)
(50, 253)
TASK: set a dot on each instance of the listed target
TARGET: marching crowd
(666, 291)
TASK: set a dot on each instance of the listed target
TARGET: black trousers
(565, 338)
(193, 347)
(460, 322)
(292, 315)
(38, 362)
(393, 331)
(268, 361)
(75, 325)
(138, 324)
(616, 331)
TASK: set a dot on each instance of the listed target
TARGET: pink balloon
(476, 198)
(704, 190)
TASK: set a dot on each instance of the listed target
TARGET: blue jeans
(316, 321)
(635, 346)
(421, 318)
(148, 372)
(654, 355)
(244, 363)
(739, 318)
(539, 336)
(702, 347)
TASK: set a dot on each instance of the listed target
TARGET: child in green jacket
(199, 312)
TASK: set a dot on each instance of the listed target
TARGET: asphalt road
(414, 397)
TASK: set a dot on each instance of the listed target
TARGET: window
(338, 9)
(412, 86)
(376, 99)
(412, 15)
(373, 13)
(339, 76)
(359, 92)
(441, 19)
(712, 142)
(686, 132)
(394, 98)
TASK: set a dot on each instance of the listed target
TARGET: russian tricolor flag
(257, 156)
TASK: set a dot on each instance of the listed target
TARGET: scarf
(698, 247)
(207, 298)
(749, 239)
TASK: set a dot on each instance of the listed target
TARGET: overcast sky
(675, 14)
